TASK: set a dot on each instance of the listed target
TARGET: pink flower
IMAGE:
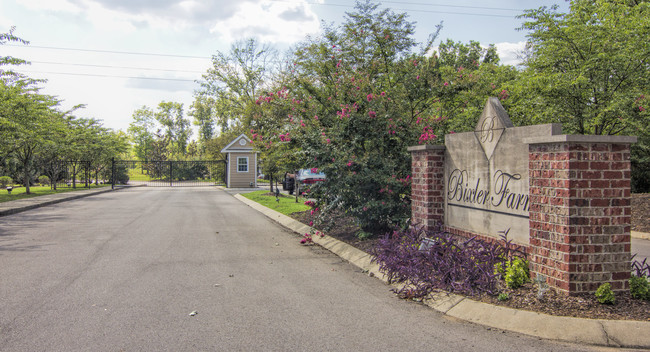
(316, 117)
(349, 163)
(417, 77)
(369, 97)
(311, 223)
(383, 94)
(328, 141)
(314, 170)
(372, 114)
(641, 108)
(446, 84)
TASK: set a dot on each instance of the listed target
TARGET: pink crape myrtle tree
(351, 101)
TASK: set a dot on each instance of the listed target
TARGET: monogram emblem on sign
(491, 126)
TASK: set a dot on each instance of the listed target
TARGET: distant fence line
(84, 174)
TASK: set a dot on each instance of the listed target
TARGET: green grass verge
(19, 192)
(136, 174)
(287, 205)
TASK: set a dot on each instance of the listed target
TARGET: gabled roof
(234, 146)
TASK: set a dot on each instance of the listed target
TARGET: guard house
(241, 161)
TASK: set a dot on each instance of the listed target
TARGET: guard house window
(242, 164)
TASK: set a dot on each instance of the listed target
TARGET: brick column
(580, 211)
(427, 187)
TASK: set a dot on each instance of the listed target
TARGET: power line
(111, 76)
(428, 11)
(110, 66)
(457, 6)
(108, 51)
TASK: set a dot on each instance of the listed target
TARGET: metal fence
(168, 173)
(74, 174)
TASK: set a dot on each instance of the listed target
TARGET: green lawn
(286, 205)
(19, 192)
(136, 174)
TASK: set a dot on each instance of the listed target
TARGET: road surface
(122, 271)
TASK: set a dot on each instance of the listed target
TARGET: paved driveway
(122, 271)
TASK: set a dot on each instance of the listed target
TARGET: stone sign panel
(565, 198)
(486, 175)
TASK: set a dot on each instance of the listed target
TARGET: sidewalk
(614, 333)
(17, 206)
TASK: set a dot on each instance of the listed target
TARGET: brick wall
(580, 214)
(427, 192)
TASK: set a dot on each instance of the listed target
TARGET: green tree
(8, 74)
(234, 81)
(176, 126)
(202, 112)
(27, 118)
(355, 99)
(590, 65)
(589, 68)
(141, 131)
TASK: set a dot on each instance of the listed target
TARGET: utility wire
(110, 66)
(428, 11)
(108, 51)
(111, 76)
(457, 6)
(413, 3)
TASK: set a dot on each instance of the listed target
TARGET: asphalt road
(122, 271)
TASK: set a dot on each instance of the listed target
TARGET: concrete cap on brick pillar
(581, 138)
(425, 147)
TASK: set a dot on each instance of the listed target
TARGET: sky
(115, 56)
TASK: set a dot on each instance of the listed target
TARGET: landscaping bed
(526, 297)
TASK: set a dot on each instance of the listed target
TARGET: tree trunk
(26, 178)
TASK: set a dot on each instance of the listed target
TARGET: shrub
(605, 295)
(5, 181)
(43, 180)
(463, 266)
(503, 297)
(514, 272)
(640, 287)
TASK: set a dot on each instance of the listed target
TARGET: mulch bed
(526, 297)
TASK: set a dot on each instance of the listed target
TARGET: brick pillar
(427, 187)
(580, 211)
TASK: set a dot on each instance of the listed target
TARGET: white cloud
(510, 53)
(270, 21)
(51, 5)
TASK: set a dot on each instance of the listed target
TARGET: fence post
(113, 173)
(171, 173)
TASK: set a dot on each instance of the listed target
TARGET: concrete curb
(614, 333)
(641, 235)
(17, 206)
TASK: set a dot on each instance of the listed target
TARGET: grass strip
(19, 192)
(284, 204)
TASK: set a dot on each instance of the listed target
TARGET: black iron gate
(168, 173)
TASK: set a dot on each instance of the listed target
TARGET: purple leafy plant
(446, 262)
(640, 268)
